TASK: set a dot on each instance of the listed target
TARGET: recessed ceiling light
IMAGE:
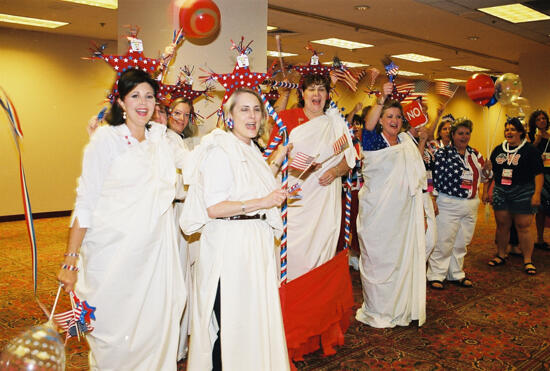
(362, 7)
(339, 43)
(408, 73)
(109, 4)
(272, 28)
(451, 80)
(271, 53)
(515, 13)
(8, 18)
(416, 57)
(349, 64)
(470, 68)
(473, 38)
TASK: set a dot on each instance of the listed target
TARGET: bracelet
(73, 254)
(242, 207)
(69, 267)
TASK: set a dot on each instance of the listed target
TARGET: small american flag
(340, 144)
(445, 88)
(391, 69)
(347, 76)
(66, 319)
(416, 89)
(301, 161)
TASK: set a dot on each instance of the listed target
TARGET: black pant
(216, 351)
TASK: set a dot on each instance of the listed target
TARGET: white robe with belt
(314, 221)
(129, 260)
(241, 256)
(390, 226)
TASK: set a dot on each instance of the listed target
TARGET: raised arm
(376, 110)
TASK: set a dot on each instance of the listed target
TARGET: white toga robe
(129, 259)
(390, 226)
(240, 255)
(188, 245)
(314, 221)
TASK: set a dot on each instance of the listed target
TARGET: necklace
(506, 148)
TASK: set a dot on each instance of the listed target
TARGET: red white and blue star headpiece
(134, 58)
(313, 68)
(183, 88)
(241, 77)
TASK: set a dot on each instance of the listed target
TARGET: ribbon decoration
(347, 210)
(281, 84)
(17, 133)
(284, 180)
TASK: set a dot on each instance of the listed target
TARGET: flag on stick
(301, 161)
(340, 144)
(445, 88)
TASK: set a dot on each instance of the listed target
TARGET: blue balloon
(491, 102)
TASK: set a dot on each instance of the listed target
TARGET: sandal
(530, 268)
(465, 282)
(436, 285)
(497, 260)
(542, 246)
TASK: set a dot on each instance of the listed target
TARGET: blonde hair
(232, 101)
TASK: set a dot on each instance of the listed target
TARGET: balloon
(508, 87)
(199, 18)
(491, 102)
(480, 88)
(519, 107)
(39, 348)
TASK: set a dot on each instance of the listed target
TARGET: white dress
(188, 245)
(390, 226)
(239, 254)
(129, 259)
(314, 221)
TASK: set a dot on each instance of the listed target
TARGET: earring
(230, 123)
(124, 115)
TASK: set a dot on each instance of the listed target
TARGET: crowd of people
(177, 245)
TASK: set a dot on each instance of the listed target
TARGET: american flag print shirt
(449, 166)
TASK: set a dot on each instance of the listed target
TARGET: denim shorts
(514, 198)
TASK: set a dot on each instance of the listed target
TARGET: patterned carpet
(502, 323)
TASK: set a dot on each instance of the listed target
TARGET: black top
(525, 164)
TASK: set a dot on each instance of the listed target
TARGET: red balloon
(480, 88)
(199, 18)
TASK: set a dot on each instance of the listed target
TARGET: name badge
(467, 179)
(242, 60)
(546, 159)
(136, 45)
(506, 178)
(430, 179)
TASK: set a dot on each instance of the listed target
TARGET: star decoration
(241, 77)
(134, 58)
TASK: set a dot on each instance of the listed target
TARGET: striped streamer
(347, 211)
(284, 183)
(281, 84)
(13, 119)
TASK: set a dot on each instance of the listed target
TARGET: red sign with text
(414, 114)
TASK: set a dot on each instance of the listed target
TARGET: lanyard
(463, 159)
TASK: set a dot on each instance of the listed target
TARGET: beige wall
(55, 92)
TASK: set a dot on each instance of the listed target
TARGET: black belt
(245, 217)
(176, 201)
